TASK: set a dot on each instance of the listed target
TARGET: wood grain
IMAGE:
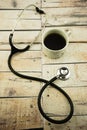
(56, 105)
(77, 122)
(13, 14)
(64, 3)
(22, 25)
(78, 75)
(19, 113)
(74, 53)
(24, 60)
(76, 34)
(66, 16)
(76, 80)
(28, 36)
(28, 20)
(18, 97)
(17, 4)
(12, 85)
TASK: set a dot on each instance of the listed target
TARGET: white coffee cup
(54, 42)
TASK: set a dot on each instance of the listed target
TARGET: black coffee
(54, 41)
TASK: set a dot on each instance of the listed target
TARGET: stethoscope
(62, 74)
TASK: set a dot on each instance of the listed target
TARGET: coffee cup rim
(58, 31)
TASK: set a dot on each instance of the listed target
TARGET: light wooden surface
(18, 97)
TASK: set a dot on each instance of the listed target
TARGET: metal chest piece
(63, 73)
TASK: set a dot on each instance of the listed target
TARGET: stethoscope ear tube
(15, 50)
(64, 93)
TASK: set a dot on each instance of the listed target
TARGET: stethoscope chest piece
(63, 73)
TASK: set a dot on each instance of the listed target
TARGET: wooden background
(18, 97)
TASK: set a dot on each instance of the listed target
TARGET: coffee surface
(54, 41)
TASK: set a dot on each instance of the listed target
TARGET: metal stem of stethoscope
(62, 74)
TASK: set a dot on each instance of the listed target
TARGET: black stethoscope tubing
(15, 50)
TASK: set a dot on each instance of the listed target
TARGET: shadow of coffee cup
(55, 42)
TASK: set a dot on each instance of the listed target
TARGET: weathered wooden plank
(55, 104)
(10, 82)
(21, 113)
(12, 85)
(13, 14)
(22, 24)
(78, 34)
(30, 58)
(64, 3)
(76, 123)
(75, 52)
(66, 16)
(74, 16)
(78, 75)
(20, 36)
(28, 61)
(45, 3)
(17, 4)
(29, 20)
